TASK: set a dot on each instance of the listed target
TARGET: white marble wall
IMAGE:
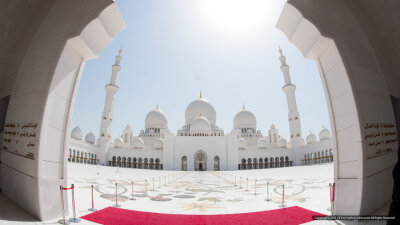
(211, 145)
(333, 34)
(43, 93)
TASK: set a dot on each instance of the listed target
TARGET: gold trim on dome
(280, 50)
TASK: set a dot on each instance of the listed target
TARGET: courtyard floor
(207, 192)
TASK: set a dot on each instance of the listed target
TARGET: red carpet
(115, 216)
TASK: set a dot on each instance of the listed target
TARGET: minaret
(107, 115)
(294, 117)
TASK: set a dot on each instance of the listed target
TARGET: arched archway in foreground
(60, 38)
(358, 98)
(48, 64)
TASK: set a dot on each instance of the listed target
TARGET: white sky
(172, 49)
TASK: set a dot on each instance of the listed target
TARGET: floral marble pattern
(203, 192)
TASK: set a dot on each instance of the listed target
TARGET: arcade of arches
(354, 44)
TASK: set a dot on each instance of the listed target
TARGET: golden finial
(200, 113)
(157, 106)
(244, 107)
(120, 50)
(280, 50)
(201, 95)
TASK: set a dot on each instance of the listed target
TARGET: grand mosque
(200, 144)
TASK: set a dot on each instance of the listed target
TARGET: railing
(246, 166)
(317, 160)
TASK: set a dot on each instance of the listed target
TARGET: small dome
(324, 134)
(156, 119)
(311, 138)
(202, 106)
(90, 138)
(244, 119)
(242, 143)
(262, 143)
(77, 133)
(158, 144)
(200, 124)
(272, 126)
(118, 142)
(138, 143)
(282, 143)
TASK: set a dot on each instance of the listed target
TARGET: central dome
(203, 107)
(245, 119)
(156, 119)
(200, 124)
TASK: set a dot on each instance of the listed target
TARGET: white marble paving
(192, 192)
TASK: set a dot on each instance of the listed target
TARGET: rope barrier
(65, 189)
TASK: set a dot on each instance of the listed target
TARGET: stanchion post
(116, 196)
(330, 197)
(145, 186)
(247, 184)
(235, 181)
(153, 184)
(63, 220)
(240, 183)
(132, 195)
(255, 187)
(333, 197)
(267, 197)
(165, 180)
(74, 219)
(159, 182)
(92, 209)
(283, 205)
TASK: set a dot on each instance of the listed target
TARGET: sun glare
(235, 15)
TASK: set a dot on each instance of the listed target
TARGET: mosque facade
(200, 144)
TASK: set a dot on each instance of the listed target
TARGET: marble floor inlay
(207, 192)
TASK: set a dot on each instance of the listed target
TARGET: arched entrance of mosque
(358, 97)
(184, 163)
(216, 163)
(200, 161)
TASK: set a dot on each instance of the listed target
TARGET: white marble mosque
(200, 144)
